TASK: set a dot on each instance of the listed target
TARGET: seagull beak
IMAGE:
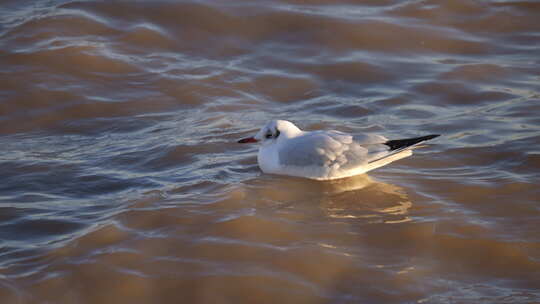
(247, 140)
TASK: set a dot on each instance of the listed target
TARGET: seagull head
(272, 131)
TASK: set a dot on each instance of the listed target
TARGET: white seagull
(325, 155)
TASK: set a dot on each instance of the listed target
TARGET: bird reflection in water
(357, 197)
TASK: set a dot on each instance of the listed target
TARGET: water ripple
(122, 180)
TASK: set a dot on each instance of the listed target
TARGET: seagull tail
(399, 148)
(392, 157)
(401, 144)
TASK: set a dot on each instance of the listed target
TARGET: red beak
(247, 140)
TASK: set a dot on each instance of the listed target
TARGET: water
(121, 179)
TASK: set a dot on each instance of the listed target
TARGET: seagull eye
(268, 135)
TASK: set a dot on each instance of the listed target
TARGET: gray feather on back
(333, 150)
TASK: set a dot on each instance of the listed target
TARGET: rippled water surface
(121, 179)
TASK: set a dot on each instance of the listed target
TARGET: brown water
(121, 181)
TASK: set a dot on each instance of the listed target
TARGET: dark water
(121, 181)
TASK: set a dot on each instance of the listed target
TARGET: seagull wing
(326, 154)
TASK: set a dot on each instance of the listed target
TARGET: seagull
(325, 155)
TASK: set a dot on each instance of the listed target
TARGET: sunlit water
(121, 180)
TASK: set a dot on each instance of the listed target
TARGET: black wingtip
(432, 136)
(404, 143)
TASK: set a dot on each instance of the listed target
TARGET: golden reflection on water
(357, 197)
(262, 235)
